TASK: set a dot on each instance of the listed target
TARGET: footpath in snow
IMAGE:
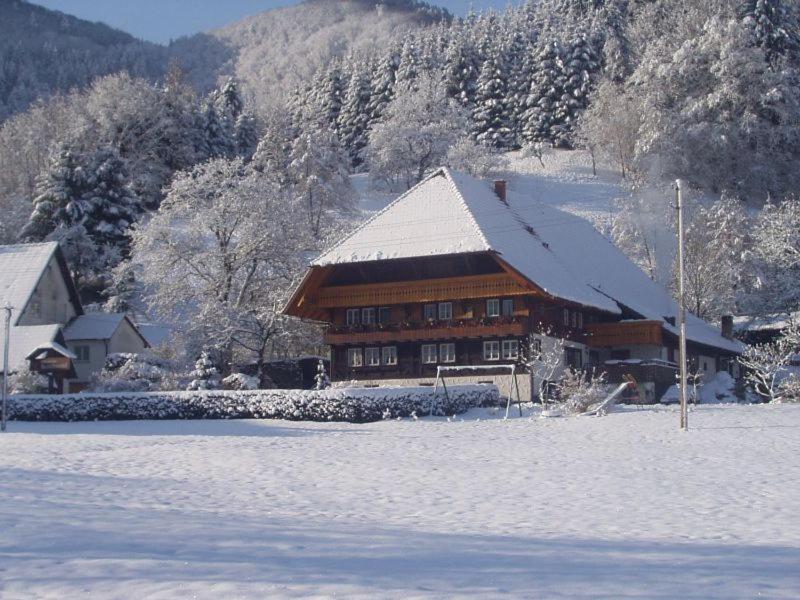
(620, 506)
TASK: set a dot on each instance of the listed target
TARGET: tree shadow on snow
(176, 547)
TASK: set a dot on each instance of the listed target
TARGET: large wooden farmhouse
(459, 271)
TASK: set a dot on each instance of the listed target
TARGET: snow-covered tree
(89, 190)
(321, 379)
(490, 117)
(419, 128)
(461, 71)
(547, 87)
(773, 27)
(318, 177)
(220, 255)
(382, 87)
(478, 160)
(581, 66)
(206, 375)
(354, 116)
(766, 365)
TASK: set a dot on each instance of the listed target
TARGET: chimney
(727, 326)
(500, 189)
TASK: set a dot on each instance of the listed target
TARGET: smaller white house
(48, 323)
(92, 337)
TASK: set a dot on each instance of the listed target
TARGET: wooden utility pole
(7, 308)
(681, 308)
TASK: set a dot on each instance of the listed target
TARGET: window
(389, 355)
(491, 350)
(368, 316)
(580, 320)
(510, 349)
(536, 348)
(430, 312)
(574, 320)
(508, 307)
(445, 311)
(428, 354)
(384, 315)
(493, 307)
(566, 317)
(355, 357)
(352, 316)
(82, 353)
(447, 353)
(573, 357)
(373, 357)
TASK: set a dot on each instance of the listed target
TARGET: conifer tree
(547, 86)
(354, 117)
(772, 27)
(383, 85)
(490, 116)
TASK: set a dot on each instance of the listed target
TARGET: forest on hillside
(202, 209)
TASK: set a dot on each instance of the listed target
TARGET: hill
(44, 51)
(275, 50)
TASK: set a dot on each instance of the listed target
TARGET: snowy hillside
(620, 506)
(276, 50)
(565, 182)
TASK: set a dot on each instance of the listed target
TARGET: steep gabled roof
(21, 269)
(562, 254)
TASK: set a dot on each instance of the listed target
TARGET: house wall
(50, 301)
(125, 339)
(85, 369)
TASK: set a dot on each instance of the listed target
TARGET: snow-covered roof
(21, 267)
(774, 322)
(25, 340)
(154, 333)
(564, 255)
(41, 350)
(93, 326)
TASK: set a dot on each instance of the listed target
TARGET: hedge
(355, 405)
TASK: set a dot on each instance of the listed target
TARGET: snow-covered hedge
(356, 405)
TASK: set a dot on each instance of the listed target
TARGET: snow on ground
(620, 506)
(566, 182)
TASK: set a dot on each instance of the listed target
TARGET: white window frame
(491, 350)
(510, 349)
(425, 308)
(427, 357)
(372, 356)
(447, 352)
(368, 316)
(507, 303)
(493, 307)
(353, 316)
(355, 357)
(445, 311)
(389, 318)
(389, 355)
(83, 353)
(566, 317)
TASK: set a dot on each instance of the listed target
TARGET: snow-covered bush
(125, 372)
(581, 389)
(205, 375)
(25, 381)
(355, 405)
(240, 381)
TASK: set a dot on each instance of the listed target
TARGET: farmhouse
(459, 271)
(49, 329)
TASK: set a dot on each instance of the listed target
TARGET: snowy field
(621, 506)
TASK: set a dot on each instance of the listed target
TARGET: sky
(162, 20)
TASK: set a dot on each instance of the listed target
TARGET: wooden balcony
(625, 333)
(424, 332)
(426, 290)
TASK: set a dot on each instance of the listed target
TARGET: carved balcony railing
(428, 330)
